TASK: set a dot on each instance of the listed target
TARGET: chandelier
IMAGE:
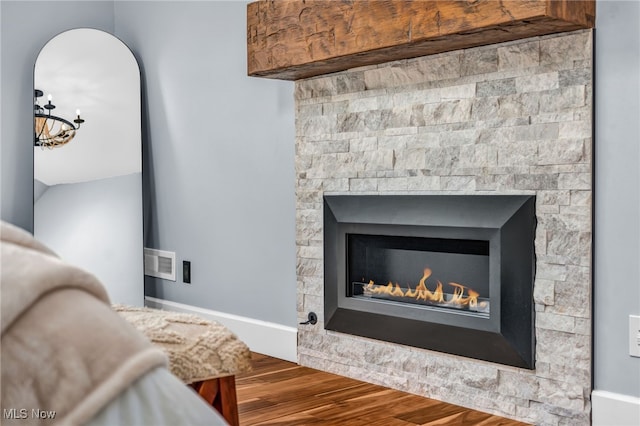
(51, 131)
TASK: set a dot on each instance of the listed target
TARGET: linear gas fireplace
(373, 260)
(449, 273)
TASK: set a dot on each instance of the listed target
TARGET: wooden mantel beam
(294, 39)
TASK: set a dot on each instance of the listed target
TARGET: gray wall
(39, 189)
(218, 171)
(25, 28)
(617, 194)
(94, 225)
(219, 159)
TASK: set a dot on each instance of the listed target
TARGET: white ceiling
(95, 72)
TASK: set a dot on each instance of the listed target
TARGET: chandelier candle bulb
(49, 106)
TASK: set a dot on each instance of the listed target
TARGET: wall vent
(160, 264)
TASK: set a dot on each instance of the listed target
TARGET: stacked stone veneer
(512, 118)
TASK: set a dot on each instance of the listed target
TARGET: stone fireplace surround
(510, 118)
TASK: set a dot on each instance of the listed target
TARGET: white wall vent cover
(160, 264)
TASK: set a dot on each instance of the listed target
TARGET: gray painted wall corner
(617, 194)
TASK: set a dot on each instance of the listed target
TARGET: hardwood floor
(282, 393)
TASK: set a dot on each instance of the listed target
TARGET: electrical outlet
(634, 335)
(186, 271)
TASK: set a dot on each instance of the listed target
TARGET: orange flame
(422, 292)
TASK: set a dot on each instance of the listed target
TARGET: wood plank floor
(282, 393)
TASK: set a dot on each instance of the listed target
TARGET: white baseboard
(614, 409)
(264, 337)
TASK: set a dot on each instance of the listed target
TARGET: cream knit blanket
(64, 352)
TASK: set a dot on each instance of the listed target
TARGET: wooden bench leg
(221, 394)
(228, 402)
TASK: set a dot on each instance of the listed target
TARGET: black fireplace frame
(507, 222)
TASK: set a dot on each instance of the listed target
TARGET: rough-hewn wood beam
(293, 39)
